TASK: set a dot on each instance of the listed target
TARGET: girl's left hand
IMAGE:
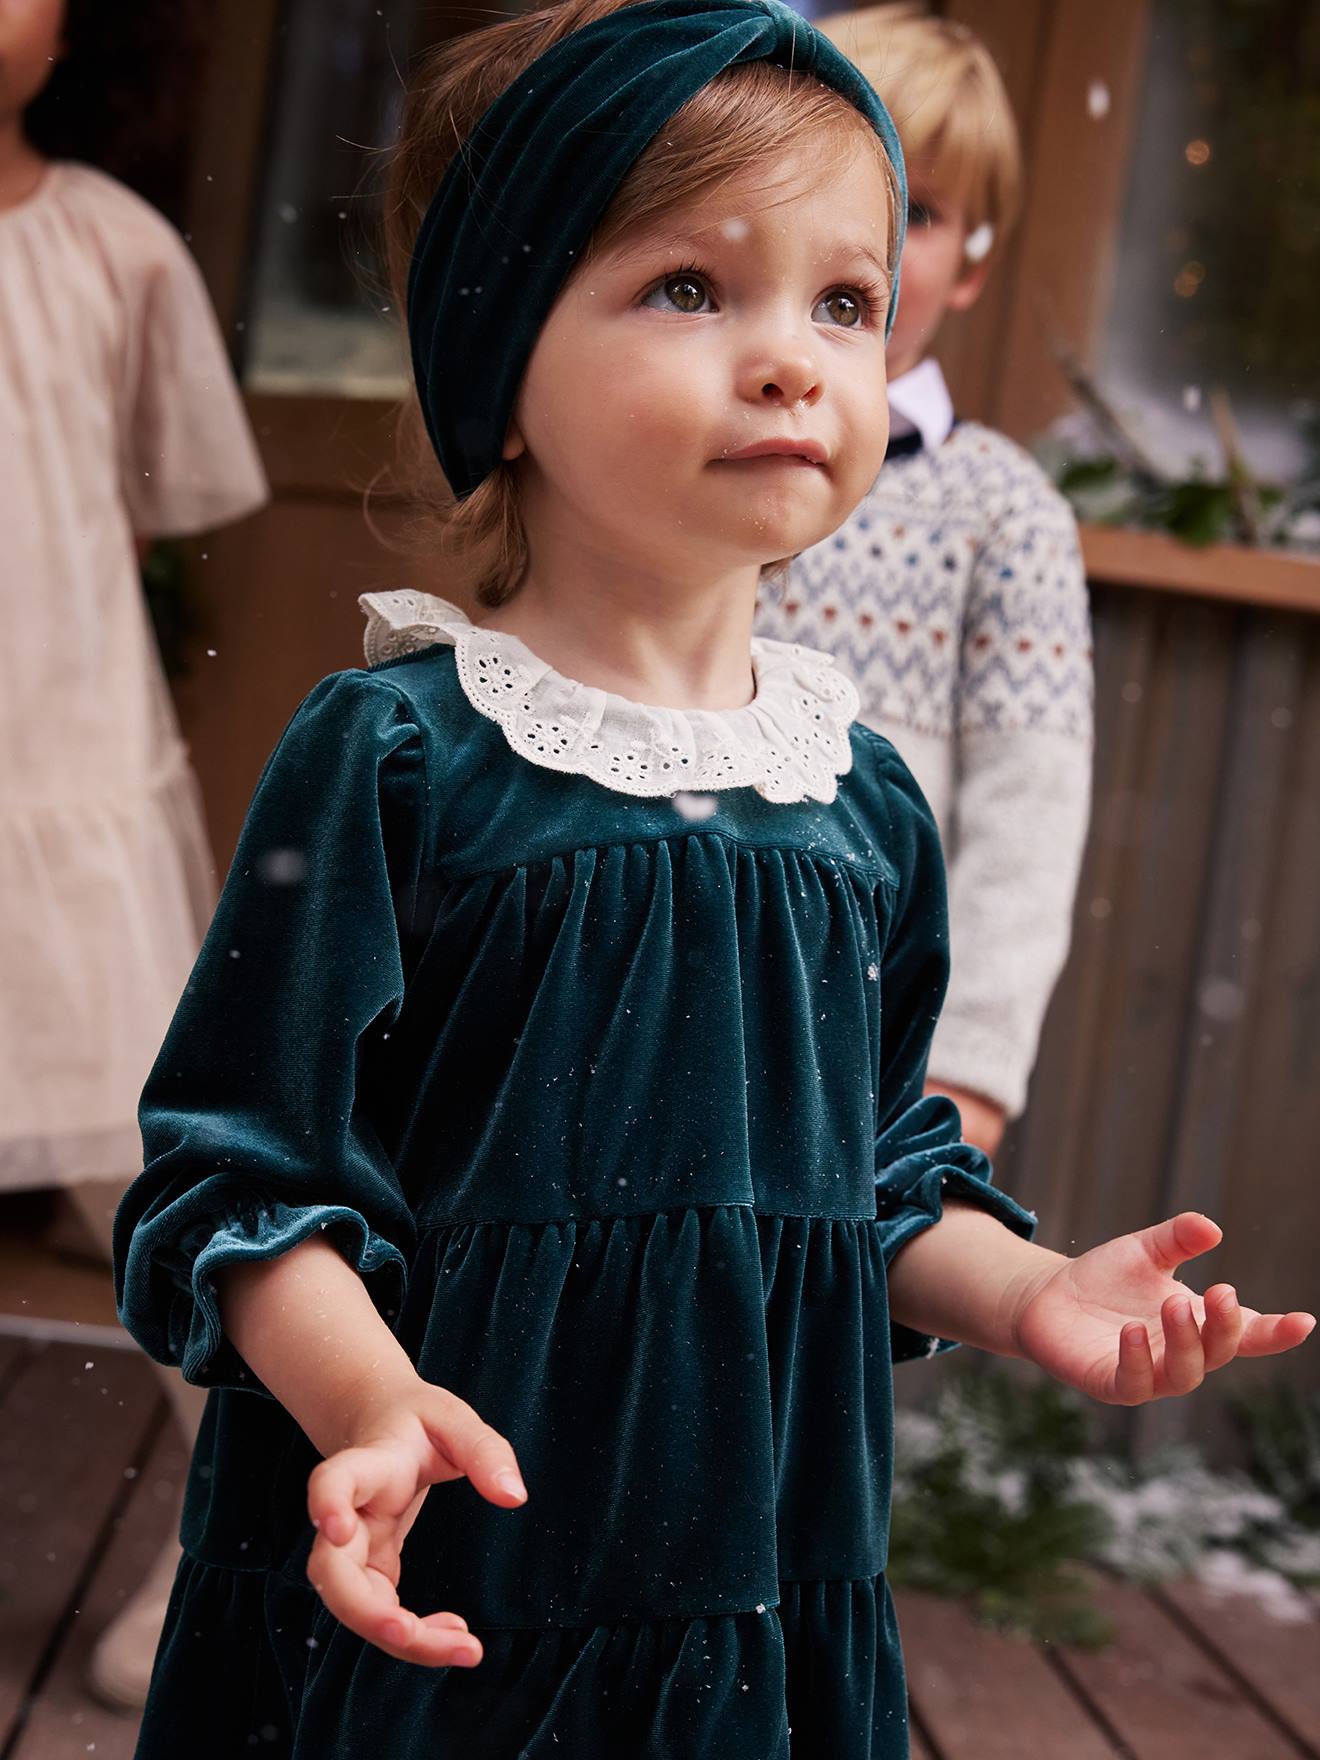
(1116, 1324)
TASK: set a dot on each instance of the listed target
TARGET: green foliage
(1280, 1427)
(1112, 488)
(1002, 1498)
(988, 1513)
(1199, 513)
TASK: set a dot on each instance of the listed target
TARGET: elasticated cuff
(206, 1356)
(917, 1206)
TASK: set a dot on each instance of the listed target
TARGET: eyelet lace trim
(790, 743)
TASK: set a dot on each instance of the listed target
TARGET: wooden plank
(1272, 1173)
(65, 1722)
(1167, 821)
(228, 151)
(37, 1283)
(1241, 863)
(1165, 1698)
(1266, 700)
(1102, 1097)
(278, 606)
(1154, 562)
(969, 343)
(1047, 1155)
(325, 447)
(69, 1432)
(986, 1696)
(1079, 178)
(1275, 1658)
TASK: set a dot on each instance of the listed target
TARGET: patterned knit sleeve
(1023, 763)
(921, 1161)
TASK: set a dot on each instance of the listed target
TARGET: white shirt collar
(919, 403)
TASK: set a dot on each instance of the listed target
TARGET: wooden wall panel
(1058, 265)
(279, 611)
(970, 344)
(1180, 1062)
(1079, 178)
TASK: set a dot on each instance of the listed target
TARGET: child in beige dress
(119, 421)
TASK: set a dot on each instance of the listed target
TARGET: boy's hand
(364, 1499)
(1116, 1324)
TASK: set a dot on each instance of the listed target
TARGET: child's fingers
(1184, 1353)
(1182, 1237)
(365, 1601)
(341, 1485)
(1265, 1335)
(1224, 1325)
(438, 1640)
(1134, 1379)
(476, 1450)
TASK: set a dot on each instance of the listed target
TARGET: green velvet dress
(613, 1096)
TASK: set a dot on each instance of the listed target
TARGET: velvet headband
(525, 191)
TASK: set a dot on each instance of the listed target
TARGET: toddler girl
(547, 1102)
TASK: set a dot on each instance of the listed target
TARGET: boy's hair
(945, 94)
(745, 118)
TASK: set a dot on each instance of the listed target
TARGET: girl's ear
(514, 444)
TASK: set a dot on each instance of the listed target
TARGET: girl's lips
(793, 451)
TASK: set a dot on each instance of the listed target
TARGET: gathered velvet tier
(619, 1113)
(816, 1676)
(699, 1401)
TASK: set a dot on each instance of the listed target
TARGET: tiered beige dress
(119, 419)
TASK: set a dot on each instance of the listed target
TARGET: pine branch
(1125, 444)
(1242, 481)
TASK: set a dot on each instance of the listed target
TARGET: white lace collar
(790, 743)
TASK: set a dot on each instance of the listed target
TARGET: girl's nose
(781, 379)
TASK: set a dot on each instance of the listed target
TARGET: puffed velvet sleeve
(919, 1152)
(255, 1129)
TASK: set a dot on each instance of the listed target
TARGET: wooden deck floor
(90, 1470)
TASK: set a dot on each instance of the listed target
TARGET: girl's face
(710, 392)
(30, 44)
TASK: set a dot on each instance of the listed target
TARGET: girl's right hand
(364, 1499)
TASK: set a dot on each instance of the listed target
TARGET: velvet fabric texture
(520, 201)
(620, 1117)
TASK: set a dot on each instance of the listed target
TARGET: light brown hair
(748, 117)
(940, 84)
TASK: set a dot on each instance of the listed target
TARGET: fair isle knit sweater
(956, 600)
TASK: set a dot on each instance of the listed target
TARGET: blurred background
(1151, 331)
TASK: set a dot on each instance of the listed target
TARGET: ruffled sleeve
(919, 1153)
(255, 1126)
(189, 460)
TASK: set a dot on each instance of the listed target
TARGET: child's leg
(121, 1663)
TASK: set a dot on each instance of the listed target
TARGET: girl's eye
(680, 293)
(921, 214)
(843, 308)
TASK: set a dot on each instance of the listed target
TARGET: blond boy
(955, 595)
